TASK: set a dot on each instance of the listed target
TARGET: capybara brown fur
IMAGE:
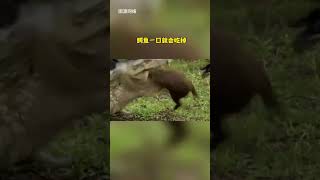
(237, 77)
(175, 82)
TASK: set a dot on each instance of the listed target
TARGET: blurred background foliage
(177, 15)
(287, 148)
(138, 148)
(177, 18)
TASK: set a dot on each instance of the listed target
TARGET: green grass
(287, 148)
(87, 144)
(148, 108)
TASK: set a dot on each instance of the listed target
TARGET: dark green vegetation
(287, 148)
(87, 145)
(159, 107)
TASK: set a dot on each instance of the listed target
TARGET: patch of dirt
(124, 116)
(166, 115)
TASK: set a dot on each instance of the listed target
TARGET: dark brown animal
(70, 60)
(175, 82)
(237, 77)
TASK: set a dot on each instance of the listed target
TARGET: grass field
(290, 147)
(87, 145)
(160, 106)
